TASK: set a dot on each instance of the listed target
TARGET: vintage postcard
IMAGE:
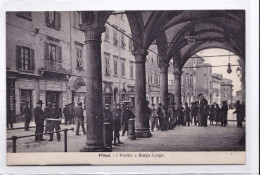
(126, 87)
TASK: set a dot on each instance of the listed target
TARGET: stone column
(142, 119)
(94, 107)
(163, 65)
(177, 86)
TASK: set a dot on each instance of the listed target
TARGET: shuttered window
(24, 58)
(53, 19)
(52, 52)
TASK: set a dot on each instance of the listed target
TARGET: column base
(142, 133)
(92, 146)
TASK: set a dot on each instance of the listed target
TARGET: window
(52, 52)
(123, 40)
(130, 44)
(53, 19)
(79, 56)
(25, 15)
(77, 20)
(123, 68)
(115, 37)
(107, 34)
(131, 70)
(25, 58)
(115, 66)
(107, 64)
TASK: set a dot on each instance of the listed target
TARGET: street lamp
(238, 71)
(229, 70)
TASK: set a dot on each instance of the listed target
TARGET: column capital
(163, 64)
(177, 74)
(92, 32)
(140, 55)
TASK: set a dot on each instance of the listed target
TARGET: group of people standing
(198, 113)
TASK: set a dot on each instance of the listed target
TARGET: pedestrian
(160, 116)
(147, 114)
(217, 114)
(211, 114)
(26, 115)
(205, 113)
(128, 114)
(180, 113)
(224, 112)
(154, 118)
(54, 121)
(239, 112)
(79, 118)
(173, 116)
(187, 115)
(66, 113)
(108, 118)
(117, 124)
(10, 118)
(194, 113)
(39, 121)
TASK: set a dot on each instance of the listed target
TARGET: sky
(214, 61)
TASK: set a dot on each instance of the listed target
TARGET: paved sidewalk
(193, 138)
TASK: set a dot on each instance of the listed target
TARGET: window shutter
(18, 57)
(46, 51)
(32, 59)
(47, 18)
(59, 51)
(57, 20)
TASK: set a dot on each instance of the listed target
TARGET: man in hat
(108, 117)
(39, 121)
(194, 113)
(224, 112)
(27, 115)
(180, 117)
(66, 113)
(154, 118)
(128, 114)
(173, 116)
(186, 115)
(239, 112)
(55, 113)
(160, 116)
(79, 117)
(117, 124)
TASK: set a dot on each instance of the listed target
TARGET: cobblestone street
(193, 138)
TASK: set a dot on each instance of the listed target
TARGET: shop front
(53, 91)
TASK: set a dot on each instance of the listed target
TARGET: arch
(108, 88)
(78, 83)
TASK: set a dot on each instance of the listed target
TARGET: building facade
(45, 61)
(216, 88)
(226, 90)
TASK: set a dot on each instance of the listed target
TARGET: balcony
(53, 67)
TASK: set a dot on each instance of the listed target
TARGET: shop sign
(26, 84)
(53, 85)
(155, 93)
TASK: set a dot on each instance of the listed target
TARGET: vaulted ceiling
(169, 29)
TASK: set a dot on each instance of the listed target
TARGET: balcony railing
(54, 66)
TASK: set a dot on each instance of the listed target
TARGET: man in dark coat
(224, 112)
(39, 121)
(47, 112)
(27, 115)
(239, 112)
(10, 118)
(160, 116)
(128, 114)
(66, 113)
(79, 118)
(194, 113)
(204, 112)
(108, 117)
(55, 114)
(117, 124)
(186, 115)
(180, 118)
(173, 116)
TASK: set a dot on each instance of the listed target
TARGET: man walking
(160, 116)
(128, 114)
(27, 115)
(224, 112)
(39, 121)
(239, 112)
(180, 115)
(79, 117)
(173, 116)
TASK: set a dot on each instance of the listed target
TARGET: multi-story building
(226, 90)
(216, 88)
(45, 60)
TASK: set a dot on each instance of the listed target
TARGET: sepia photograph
(126, 83)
